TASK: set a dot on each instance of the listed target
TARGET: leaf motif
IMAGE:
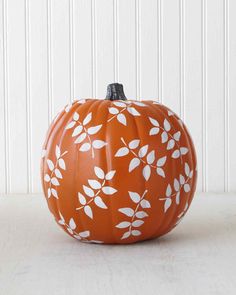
(72, 224)
(175, 154)
(99, 172)
(110, 175)
(113, 111)
(183, 150)
(88, 191)
(88, 211)
(168, 190)
(166, 125)
(81, 137)
(145, 204)
(62, 164)
(161, 161)
(119, 104)
(127, 211)
(58, 152)
(181, 179)
(136, 233)
(154, 131)
(84, 234)
(186, 169)
(58, 173)
(123, 224)
(138, 103)
(49, 192)
(126, 235)
(50, 164)
(94, 129)
(98, 144)
(77, 130)
(70, 125)
(134, 144)
(177, 135)
(122, 152)
(186, 187)
(47, 178)
(133, 111)
(191, 174)
(161, 172)
(99, 202)
(87, 119)
(94, 184)
(171, 144)
(122, 119)
(143, 151)
(135, 197)
(146, 172)
(85, 147)
(54, 181)
(154, 122)
(133, 164)
(141, 214)
(54, 193)
(151, 157)
(137, 223)
(177, 199)
(164, 137)
(176, 185)
(168, 203)
(82, 199)
(108, 190)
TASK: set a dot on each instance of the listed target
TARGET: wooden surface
(198, 257)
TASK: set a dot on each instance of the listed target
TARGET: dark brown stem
(115, 91)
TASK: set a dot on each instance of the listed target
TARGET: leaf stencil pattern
(83, 132)
(134, 217)
(142, 155)
(55, 176)
(95, 190)
(120, 110)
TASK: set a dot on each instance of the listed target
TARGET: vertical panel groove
(115, 39)
(28, 98)
(138, 48)
(94, 49)
(160, 51)
(182, 52)
(49, 61)
(204, 97)
(72, 51)
(6, 108)
(226, 97)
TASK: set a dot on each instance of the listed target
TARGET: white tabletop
(198, 257)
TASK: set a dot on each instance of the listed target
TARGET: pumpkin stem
(115, 92)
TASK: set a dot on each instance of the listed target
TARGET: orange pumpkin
(118, 170)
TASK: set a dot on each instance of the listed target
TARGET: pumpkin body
(118, 171)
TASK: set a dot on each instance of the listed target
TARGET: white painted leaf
(168, 190)
(71, 124)
(175, 154)
(133, 111)
(58, 152)
(122, 119)
(72, 224)
(181, 179)
(54, 193)
(186, 187)
(98, 144)
(87, 119)
(127, 211)
(50, 164)
(145, 204)
(154, 131)
(84, 234)
(110, 175)
(146, 172)
(161, 172)
(177, 135)
(137, 223)
(85, 147)
(123, 224)
(82, 199)
(54, 181)
(108, 190)
(176, 185)
(61, 221)
(138, 103)
(141, 214)
(136, 233)
(135, 197)
(164, 137)
(94, 129)
(88, 191)
(47, 178)
(99, 172)
(75, 116)
(166, 125)
(77, 130)
(49, 192)
(133, 164)
(177, 199)
(143, 151)
(113, 111)
(186, 169)
(70, 230)
(62, 164)
(167, 205)
(81, 137)
(154, 122)
(119, 104)
(191, 174)
(151, 157)
(88, 211)
(183, 150)
(58, 173)
(94, 184)
(171, 144)
(134, 144)
(126, 235)
(161, 161)
(122, 152)
(99, 202)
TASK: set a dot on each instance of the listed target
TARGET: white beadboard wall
(182, 52)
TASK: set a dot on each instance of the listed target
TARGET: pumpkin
(118, 170)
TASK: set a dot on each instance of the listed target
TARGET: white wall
(182, 51)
